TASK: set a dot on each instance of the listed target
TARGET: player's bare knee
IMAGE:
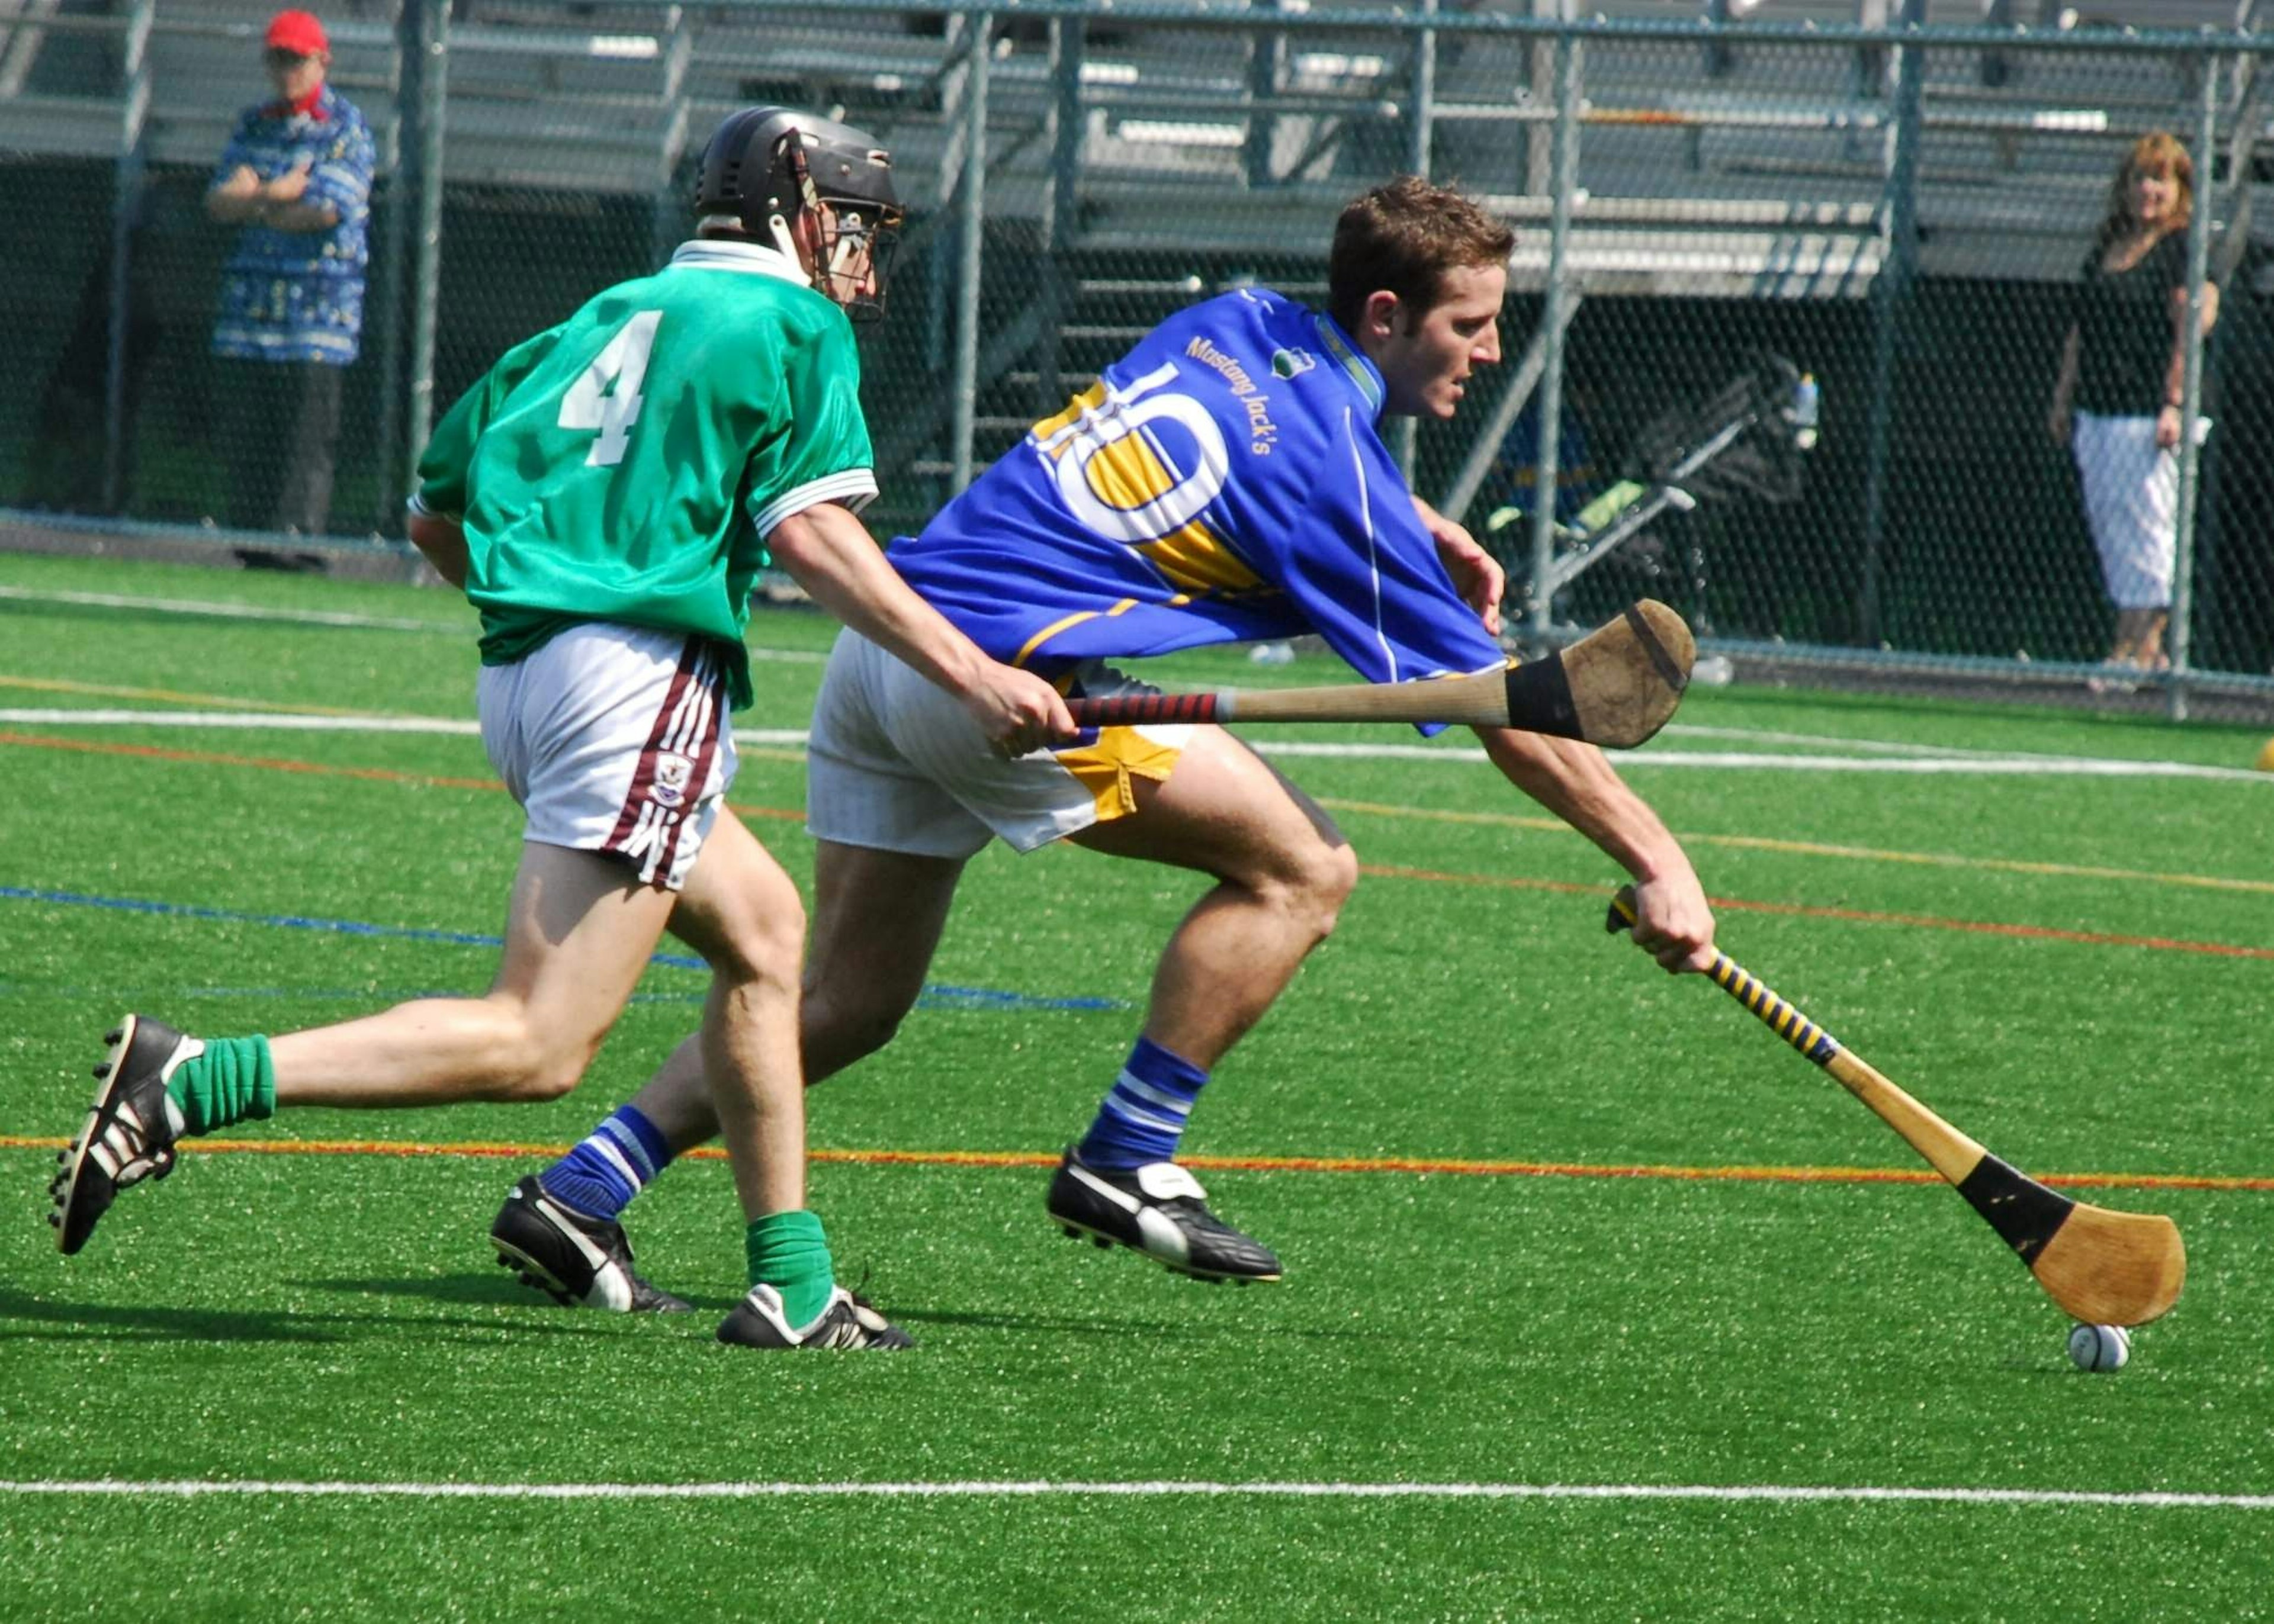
(1330, 875)
(1309, 884)
(551, 1070)
(526, 1067)
(553, 1077)
(841, 1024)
(764, 953)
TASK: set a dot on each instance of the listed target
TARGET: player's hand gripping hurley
(1614, 687)
(2102, 1267)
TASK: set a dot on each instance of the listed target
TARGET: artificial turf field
(1578, 1370)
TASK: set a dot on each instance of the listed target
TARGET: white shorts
(2132, 502)
(614, 739)
(895, 763)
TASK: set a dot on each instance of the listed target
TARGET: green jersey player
(605, 496)
(571, 513)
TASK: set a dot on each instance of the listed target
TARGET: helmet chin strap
(787, 244)
(835, 261)
(792, 150)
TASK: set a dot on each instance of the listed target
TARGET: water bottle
(1804, 403)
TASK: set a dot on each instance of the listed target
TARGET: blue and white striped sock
(1143, 1115)
(614, 1162)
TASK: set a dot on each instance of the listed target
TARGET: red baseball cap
(298, 31)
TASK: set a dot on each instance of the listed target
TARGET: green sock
(789, 1252)
(234, 1080)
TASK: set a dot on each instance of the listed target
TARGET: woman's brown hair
(2158, 152)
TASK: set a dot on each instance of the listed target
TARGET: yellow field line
(232, 701)
(1465, 1166)
(1817, 848)
(1490, 820)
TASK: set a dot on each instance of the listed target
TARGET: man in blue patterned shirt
(296, 177)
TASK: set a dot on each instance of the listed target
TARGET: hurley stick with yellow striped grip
(2103, 1268)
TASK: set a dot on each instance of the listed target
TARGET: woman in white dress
(2117, 404)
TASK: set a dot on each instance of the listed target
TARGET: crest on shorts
(673, 772)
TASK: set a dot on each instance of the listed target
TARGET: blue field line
(935, 994)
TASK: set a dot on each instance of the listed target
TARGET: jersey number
(591, 404)
(1114, 479)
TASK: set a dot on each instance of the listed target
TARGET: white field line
(1880, 747)
(1985, 764)
(1014, 1489)
(215, 610)
(795, 656)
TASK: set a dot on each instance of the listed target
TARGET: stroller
(1747, 440)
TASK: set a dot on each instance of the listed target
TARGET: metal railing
(1899, 211)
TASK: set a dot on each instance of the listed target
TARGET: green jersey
(627, 464)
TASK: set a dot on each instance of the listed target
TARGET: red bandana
(305, 107)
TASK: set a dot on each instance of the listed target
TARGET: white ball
(2100, 1347)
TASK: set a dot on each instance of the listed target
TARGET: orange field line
(2035, 933)
(1462, 1167)
(1924, 921)
(278, 763)
(268, 763)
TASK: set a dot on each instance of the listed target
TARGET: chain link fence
(1783, 327)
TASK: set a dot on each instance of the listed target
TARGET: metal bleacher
(1750, 166)
(1735, 169)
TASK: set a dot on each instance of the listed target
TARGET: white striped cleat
(572, 1258)
(1160, 1210)
(128, 1136)
(848, 1322)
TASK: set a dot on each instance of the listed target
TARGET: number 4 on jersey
(591, 404)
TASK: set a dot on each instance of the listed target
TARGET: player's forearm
(832, 556)
(301, 217)
(249, 204)
(232, 207)
(2064, 383)
(443, 541)
(1575, 782)
(2175, 373)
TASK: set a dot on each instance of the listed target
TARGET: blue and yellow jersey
(1225, 480)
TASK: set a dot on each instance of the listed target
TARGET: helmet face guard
(770, 168)
(854, 236)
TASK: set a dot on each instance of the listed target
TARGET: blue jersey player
(1227, 479)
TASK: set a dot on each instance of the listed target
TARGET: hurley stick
(2103, 1268)
(1616, 686)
